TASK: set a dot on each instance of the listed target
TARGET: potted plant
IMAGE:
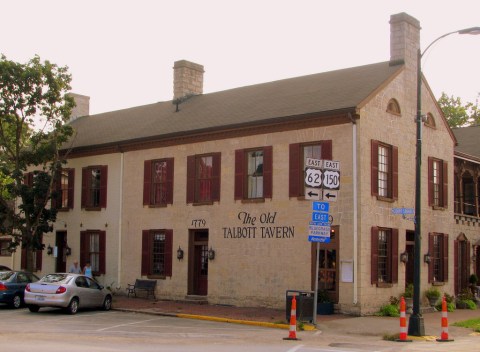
(432, 294)
(324, 303)
(408, 295)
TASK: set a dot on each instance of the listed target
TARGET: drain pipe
(120, 210)
(355, 208)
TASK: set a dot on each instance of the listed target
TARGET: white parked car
(68, 291)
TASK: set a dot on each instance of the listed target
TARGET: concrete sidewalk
(336, 324)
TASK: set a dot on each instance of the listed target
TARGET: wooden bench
(142, 285)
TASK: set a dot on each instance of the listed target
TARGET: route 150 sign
(315, 178)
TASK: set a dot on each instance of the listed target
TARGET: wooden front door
(61, 244)
(199, 263)
(328, 265)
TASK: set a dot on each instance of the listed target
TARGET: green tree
(457, 113)
(34, 109)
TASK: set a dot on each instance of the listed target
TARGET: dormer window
(393, 107)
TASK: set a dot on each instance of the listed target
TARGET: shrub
(408, 291)
(450, 306)
(432, 293)
(467, 304)
(394, 301)
(389, 310)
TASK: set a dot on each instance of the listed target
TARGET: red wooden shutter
(374, 168)
(216, 170)
(395, 173)
(374, 256)
(445, 185)
(85, 181)
(327, 150)
(267, 172)
(23, 260)
(191, 179)
(146, 270)
(445, 257)
(239, 173)
(84, 248)
(169, 182)
(394, 262)
(147, 181)
(102, 242)
(430, 251)
(455, 266)
(168, 252)
(430, 181)
(103, 186)
(56, 190)
(295, 170)
(71, 187)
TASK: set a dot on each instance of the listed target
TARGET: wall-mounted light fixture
(106, 224)
(474, 258)
(427, 258)
(211, 254)
(404, 257)
(49, 250)
(179, 253)
(68, 250)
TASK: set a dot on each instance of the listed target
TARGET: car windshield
(6, 275)
(56, 278)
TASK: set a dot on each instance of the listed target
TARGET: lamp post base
(416, 326)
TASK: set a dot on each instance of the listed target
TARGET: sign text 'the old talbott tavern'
(262, 226)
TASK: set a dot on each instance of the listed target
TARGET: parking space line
(120, 325)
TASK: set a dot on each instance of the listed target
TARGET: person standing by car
(87, 271)
(75, 268)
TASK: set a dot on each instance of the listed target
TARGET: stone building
(207, 193)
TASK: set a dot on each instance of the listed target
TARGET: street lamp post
(416, 326)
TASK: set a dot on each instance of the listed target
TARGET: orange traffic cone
(403, 322)
(292, 335)
(444, 335)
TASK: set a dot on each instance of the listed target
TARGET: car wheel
(17, 301)
(33, 309)
(107, 303)
(73, 306)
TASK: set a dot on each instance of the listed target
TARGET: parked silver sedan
(68, 291)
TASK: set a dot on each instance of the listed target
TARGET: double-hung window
(157, 248)
(384, 256)
(158, 182)
(438, 250)
(62, 198)
(298, 154)
(253, 173)
(384, 170)
(92, 249)
(437, 183)
(94, 187)
(203, 178)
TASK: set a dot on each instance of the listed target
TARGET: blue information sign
(321, 217)
(321, 206)
(320, 239)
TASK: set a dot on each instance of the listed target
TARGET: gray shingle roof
(468, 140)
(288, 98)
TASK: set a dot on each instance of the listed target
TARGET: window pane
(158, 254)
(94, 188)
(159, 178)
(383, 256)
(437, 258)
(436, 182)
(204, 178)
(64, 188)
(255, 174)
(95, 251)
(383, 171)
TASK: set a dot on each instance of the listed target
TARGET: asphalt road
(52, 330)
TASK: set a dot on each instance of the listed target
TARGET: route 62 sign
(313, 177)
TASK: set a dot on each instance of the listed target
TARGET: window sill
(157, 205)
(63, 210)
(385, 199)
(436, 207)
(202, 203)
(156, 277)
(384, 285)
(438, 283)
(92, 209)
(254, 200)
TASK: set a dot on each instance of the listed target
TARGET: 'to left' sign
(313, 177)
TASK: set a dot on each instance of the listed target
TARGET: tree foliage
(34, 109)
(457, 113)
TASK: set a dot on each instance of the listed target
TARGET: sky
(121, 52)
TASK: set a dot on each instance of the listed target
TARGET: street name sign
(403, 211)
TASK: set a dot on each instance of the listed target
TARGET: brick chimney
(404, 39)
(187, 79)
(82, 107)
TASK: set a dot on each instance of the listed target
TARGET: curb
(216, 319)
